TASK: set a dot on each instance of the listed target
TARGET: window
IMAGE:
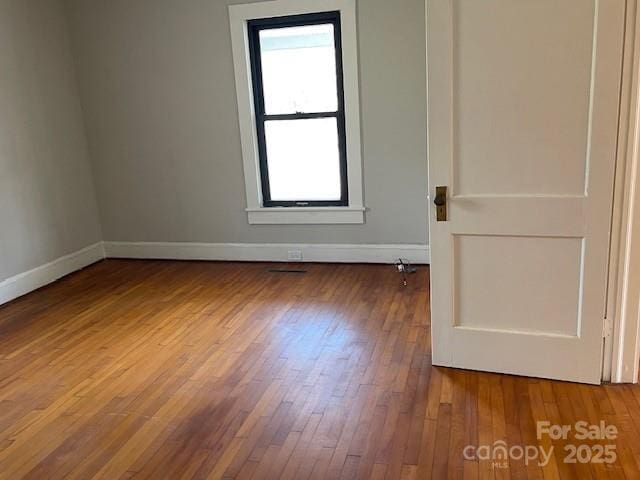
(296, 65)
(296, 79)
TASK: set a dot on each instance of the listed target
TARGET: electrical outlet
(294, 255)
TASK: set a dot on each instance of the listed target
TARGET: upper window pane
(299, 69)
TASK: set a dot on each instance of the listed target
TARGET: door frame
(622, 341)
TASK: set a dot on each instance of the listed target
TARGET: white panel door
(523, 109)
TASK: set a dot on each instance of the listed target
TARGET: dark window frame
(254, 27)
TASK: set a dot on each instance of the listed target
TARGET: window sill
(305, 215)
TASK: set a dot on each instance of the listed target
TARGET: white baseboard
(26, 282)
(268, 252)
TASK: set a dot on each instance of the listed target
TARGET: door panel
(539, 303)
(523, 106)
(522, 90)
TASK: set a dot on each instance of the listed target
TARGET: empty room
(319, 239)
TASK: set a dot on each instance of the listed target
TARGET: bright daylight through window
(296, 64)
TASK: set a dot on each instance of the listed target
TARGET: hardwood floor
(136, 369)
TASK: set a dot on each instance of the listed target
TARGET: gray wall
(157, 87)
(47, 201)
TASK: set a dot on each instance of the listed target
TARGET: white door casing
(523, 103)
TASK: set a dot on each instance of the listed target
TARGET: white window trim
(257, 214)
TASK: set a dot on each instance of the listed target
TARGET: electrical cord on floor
(403, 266)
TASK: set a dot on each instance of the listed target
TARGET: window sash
(254, 28)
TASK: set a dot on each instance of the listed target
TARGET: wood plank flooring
(179, 370)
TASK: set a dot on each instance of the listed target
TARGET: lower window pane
(303, 159)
